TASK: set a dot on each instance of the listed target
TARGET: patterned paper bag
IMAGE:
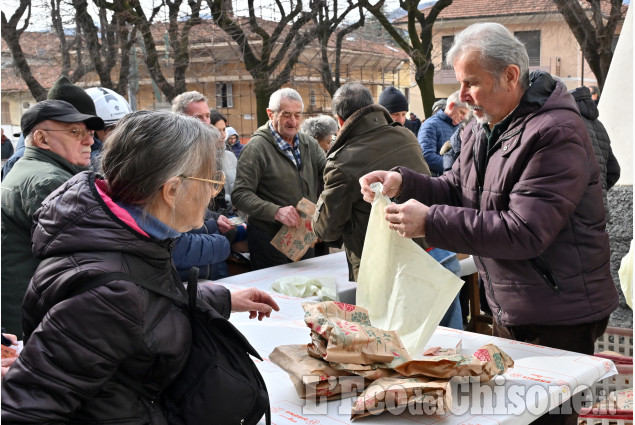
(294, 242)
(314, 377)
(487, 362)
(418, 395)
(350, 337)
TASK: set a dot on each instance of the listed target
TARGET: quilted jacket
(530, 210)
(75, 344)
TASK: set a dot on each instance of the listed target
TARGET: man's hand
(408, 219)
(390, 179)
(224, 225)
(289, 216)
(256, 302)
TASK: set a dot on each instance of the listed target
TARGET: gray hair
(497, 48)
(320, 126)
(350, 98)
(182, 101)
(147, 148)
(456, 99)
(285, 93)
(28, 139)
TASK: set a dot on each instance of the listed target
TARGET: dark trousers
(262, 254)
(577, 338)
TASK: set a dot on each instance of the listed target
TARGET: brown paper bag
(350, 337)
(294, 242)
(400, 394)
(313, 377)
(487, 362)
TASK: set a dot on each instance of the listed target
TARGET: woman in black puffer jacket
(159, 176)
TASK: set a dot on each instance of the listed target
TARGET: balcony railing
(446, 75)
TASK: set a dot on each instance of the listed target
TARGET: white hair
(285, 93)
(497, 48)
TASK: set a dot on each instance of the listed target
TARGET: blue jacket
(434, 132)
(19, 153)
(204, 248)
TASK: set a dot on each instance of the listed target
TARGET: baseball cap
(57, 110)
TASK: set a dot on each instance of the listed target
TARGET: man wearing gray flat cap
(58, 141)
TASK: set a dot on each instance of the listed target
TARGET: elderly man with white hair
(277, 168)
(524, 198)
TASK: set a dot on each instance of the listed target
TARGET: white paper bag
(403, 288)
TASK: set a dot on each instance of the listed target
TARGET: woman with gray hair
(322, 128)
(80, 344)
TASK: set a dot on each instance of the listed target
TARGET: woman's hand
(256, 302)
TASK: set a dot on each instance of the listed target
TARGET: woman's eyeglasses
(217, 183)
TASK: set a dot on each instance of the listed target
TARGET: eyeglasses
(217, 184)
(78, 133)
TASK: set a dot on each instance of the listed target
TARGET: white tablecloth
(540, 374)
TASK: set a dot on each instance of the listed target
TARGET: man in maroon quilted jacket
(524, 198)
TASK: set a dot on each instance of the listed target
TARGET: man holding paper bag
(277, 168)
(523, 197)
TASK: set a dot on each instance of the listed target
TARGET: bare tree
(418, 44)
(105, 43)
(594, 31)
(327, 20)
(178, 30)
(11, 35)
(270, 56)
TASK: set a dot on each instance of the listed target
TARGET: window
(6, 113)
(312, 101)
(531, 40)
(224, 97)
(446, 43)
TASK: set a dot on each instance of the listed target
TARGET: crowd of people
(505, 170)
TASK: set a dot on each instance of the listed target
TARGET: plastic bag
(626, 276)
(403, 288)
(325, 288)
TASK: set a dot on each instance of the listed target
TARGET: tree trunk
(12, 38)
(263, 92)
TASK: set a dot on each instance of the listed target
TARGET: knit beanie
(393, 100)
(63, 89)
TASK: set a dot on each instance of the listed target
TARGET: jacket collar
(52, 158)
(362, 121)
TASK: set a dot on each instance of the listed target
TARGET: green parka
(266, 179)
(368, 141)
(38, 173)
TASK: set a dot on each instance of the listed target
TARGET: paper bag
(487, 362)
(397, 394)
(294, 242)
(314, 377)
(342, 333)
(403, 288)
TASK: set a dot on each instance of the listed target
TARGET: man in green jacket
(58, 141)
(368, 139)
(276, 169)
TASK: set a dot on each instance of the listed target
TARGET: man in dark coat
(609, 167)
(413, 124)
(524, 198)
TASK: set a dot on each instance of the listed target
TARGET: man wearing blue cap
(58, 141)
